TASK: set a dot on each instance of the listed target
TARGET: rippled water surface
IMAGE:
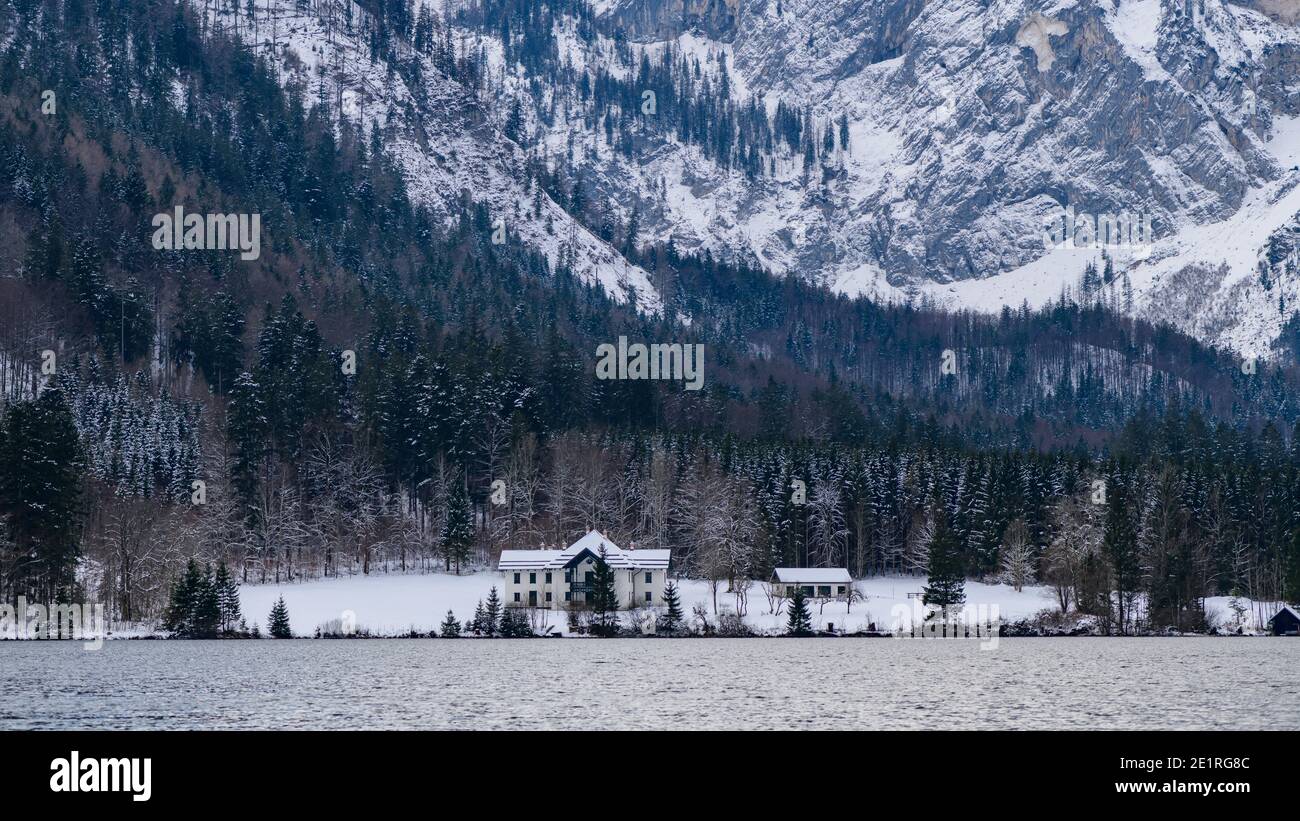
(1171, 683)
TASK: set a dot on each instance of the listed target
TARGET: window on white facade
(516, 597)
(532, 578)
(548, 593)
(649, 596)
(649, 577)
(516, 578)
(548, 577)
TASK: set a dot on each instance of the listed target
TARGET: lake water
(1166, 683)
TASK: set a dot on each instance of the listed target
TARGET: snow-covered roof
(526, 559)
(813, 575)
(1286, 608)
(592, 543)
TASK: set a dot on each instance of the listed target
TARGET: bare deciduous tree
(1077, 527)
(1017, 556)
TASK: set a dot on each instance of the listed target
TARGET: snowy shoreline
(414, 605)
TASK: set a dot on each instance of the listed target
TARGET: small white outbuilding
(817, 582)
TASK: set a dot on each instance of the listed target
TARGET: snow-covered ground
(389, 605)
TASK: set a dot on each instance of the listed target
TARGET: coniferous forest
(386, 389)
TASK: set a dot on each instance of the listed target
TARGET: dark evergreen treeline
(204, 604)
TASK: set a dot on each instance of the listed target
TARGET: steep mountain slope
(973, 124)
(354, 257)
(919, 149)
(893, 148)
(440, 132)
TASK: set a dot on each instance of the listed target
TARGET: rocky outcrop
(654, 20)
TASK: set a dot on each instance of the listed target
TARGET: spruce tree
(1291, 566)
(492, 613)
(193, 610)
(227, 598)
(671, 621)
(1120, 544)
(450, 627)
(278, 623)
(945, 587)
(205, 619)
(41, 467)
(799, 622)
(246, 430)
(514, 625)
(458, 530)
(180, 608)
(480, 619)
(602, 598)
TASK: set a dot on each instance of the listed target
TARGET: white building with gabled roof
(817, 582)
(559, 579)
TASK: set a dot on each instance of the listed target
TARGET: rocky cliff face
(658, 20)
(961, 133)
(975, 123)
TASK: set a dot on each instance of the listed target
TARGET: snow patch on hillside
(1285, 143)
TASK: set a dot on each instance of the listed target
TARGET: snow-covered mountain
(912, 149)
(974, 123)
